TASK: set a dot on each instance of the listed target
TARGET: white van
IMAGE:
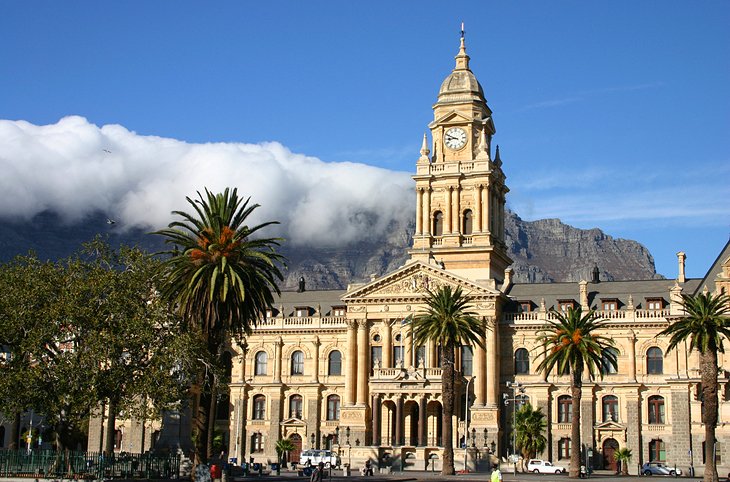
(314, 457)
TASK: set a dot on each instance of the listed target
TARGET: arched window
(334, 367)
(260, 363)
(656, 409)
(467, 360)
(565, 409)
(564, 446)
(257, 442)
(610, 408)
(657, 452)
(468, 221)
(654, 361)
(297, 363)
(259, 407)
(607, 365)
(438, 223)
(522, 362)
(333, 407)
(118, 435)
(295, 406)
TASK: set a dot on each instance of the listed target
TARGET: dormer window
(654, 303)
(339, 310)
(301, 311)
(609, 304)
(524, 306)
(565, 305)
(269, 313)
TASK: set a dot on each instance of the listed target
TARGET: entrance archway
(610, 446)
(294, 455)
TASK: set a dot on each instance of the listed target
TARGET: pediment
(452, 117)
(414, 280)
(609, 426)
(293, 422)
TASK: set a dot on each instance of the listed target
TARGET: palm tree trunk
(211, 419)
(447, 391)
(575, 445)
(708, 372)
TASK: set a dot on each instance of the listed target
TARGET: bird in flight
(110, 221)
(107, 151)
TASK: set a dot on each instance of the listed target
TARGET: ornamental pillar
(480, 369)
(447, 213)
(422, 422)
(456, 210)
(387, 344)
(632, 356)
(376, 420)
(362, 362)
(478, 209)
(486, 210)
(351, 378)
(492, 367)
(426, 211)
(277, 360)
(419, 211)
(317, 344)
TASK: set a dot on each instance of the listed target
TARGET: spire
(462, 60)
(497, 159)
(424, 150)
(483, 147)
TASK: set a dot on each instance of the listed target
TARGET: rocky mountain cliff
(543, 251)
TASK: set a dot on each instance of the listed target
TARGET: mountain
(546, 250)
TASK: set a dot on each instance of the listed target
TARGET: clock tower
(460, 186)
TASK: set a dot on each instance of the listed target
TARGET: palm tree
(570, 344)
(530, 425)
(283, 447)
(622, 456)
(447, 321)
(705, 324)
(221, 279)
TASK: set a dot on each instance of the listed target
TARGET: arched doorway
(295, 454)
(610, 446)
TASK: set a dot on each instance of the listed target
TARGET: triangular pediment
(414, 280)
(294, 422)
(452, 117)
(610, 425)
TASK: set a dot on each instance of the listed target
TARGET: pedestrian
(318, 473)
(496, 474)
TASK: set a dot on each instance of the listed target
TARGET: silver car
(659, 468)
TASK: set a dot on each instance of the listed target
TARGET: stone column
(317, 343)
(456, 208)
(399, 421)
(486, 212)
(387, 344)
(376, 420)
(447, 213)
(407, 345)
(632, 356)
(432, 354)
(419, 211)
(477, 209)
(422, 418)
(427, 211)
(492, 363)
(363, 347)
(277, 360)
(500, 235)
(351, 378)
(480, 372)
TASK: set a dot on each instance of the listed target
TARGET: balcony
(617, 315)
(299, 322)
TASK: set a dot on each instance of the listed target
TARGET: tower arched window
(297, 363)
(295, 406)
(467, 223)
(260, 363)
(333, 407)
(438, 223)
(654, 361)
(334, 365)
(259, 407)
(522, 361)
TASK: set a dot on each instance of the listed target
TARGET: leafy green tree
(530, 432)
(283, 447)
(448, 321)
(571, 343)
(623, 456)
(706, 323)
(222, 278)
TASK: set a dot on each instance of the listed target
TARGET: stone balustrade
(619, 315)
(313, 322)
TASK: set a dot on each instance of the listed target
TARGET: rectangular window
(301, 311)
(421, 356)
(565, 305)
(467, 359)
(654, 303)
(257, 442)
(339, 311)
(376, 357)
(398, 355)
(609, 305)
(525, 306)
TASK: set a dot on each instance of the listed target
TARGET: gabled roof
(715, 270)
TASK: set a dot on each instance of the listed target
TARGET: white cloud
(65, 167)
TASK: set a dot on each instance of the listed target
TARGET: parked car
(314, 457)
(544, 467)
(659, 468)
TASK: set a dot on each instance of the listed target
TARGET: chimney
(681, 257)
(507, 279)
(583, 288)
(596, 273)
(301, 288)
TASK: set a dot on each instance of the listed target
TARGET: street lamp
(466, 423)
(347, 434)
(516, 388)
(473, 437)
(486, 432)
(337, 435)
(313, 439)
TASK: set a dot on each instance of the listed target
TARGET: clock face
(455, 138)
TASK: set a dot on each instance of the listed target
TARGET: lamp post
(466, 423)
(486, 433)
(313, 438)
(516, 388)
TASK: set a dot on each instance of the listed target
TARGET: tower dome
(461, 85)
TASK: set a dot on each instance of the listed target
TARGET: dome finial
(424, 150)
(462, 60)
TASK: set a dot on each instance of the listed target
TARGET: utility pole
(517, 388)
(466, 425)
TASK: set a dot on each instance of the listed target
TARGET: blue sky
(609, 114)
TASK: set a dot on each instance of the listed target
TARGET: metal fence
(87, 465)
